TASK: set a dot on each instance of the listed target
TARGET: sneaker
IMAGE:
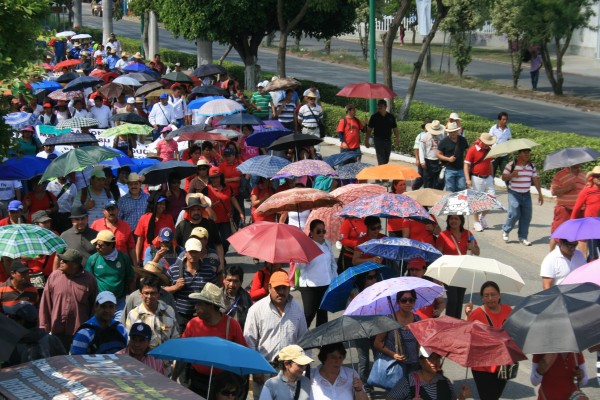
(478, 227)
(525, 242)
(483, 222)
(505, 236)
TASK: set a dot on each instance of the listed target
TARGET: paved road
(531, 113)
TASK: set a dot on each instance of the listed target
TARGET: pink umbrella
(366, 90)
(589, 272)
(297, 199)
(65, 96)
(306, 167)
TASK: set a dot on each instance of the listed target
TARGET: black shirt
(449, 149)
(185, 227)
(81, 241)
(382, 125)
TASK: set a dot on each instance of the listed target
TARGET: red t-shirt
(351, 128)
(589, 200)
(497, 320)
(446, 245)
(231, 171)
(259, 191)
(164, 221)
(351, 231)
(46, 202)
(221, 202)
(476, 154)
(557, 384)
(123, 234)
(417, 230)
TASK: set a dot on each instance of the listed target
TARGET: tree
(362, 17)
(388, 42)
(442, 10)
(286, 26)
(509, 19)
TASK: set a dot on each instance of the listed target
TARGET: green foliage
(338, 19)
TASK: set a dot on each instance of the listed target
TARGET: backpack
(107, 340)
(513, 163)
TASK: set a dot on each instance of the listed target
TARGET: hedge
(333, 107)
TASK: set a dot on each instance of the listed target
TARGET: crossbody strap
(456, 244)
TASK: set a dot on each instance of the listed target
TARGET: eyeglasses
(228, 392)
(150, 294)
(405, 300)
(595, 176)
(320, 231)
(371, 277)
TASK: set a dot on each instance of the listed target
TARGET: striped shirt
(310, 116)
(262, 101)
(287, 113)
(131, 209)
(163, 322)
(84, 337)
(522, 182)
(10, 296)
(564, 178)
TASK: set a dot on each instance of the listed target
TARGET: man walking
(478, 173)
(451, 151)
(349, 129)
(560, 262)
(382, 123)
(503, 134)
(161, 115)
(123, 234)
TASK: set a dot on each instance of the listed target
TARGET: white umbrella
(125, 80)
(228, 133)
(82, 36)
(511, 146)
(66, 33)
(220, 107)
(472, 271)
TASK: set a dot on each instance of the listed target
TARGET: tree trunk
(412, 85)
(364, 40)
(297, 40)
(145, 46)
(107, 20)
(204, 52)
(560, 53)
(388, 43)
(247, 48)
(77, 19)
(224, 56)
(283, 36)
(550, 69)
(152, 36)
(251, 72)
(285, 27)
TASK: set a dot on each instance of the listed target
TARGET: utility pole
(152, 36)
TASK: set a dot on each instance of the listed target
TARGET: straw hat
(152, 269)
(210, 293)
(435, 128)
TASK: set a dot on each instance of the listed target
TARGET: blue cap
(161, 198)
(15, 205)
(110, 204)
(163, 96)
(165, 235)
(141, 329)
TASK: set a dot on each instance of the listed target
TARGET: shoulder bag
(320, 124)
(505, 372)
(386, 370)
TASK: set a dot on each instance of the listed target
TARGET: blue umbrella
(214, 352)
(82, 82)
(337, 159)
(338, 292)
(268, 124)
(141, 163)
(265, 137)
(265, 166)
(240, 119)
(118, 162)
(46, 85)
(199, 102)
(23, 168)
(399, 249)
(19, 120)
(137, 67)
(349, 171)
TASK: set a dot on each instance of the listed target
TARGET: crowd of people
(145, 264)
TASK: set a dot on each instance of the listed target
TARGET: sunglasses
(320, 231)
(371, 277)
(405, 300)
(228, 392)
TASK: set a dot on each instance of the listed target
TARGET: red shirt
(164, 221)
(123, 234)
(259, 191)
(589, 200)
(351, 127)
(221, 202)
(363, 240)
(446, 245)
(47, 201)
(497, 320)
(351, 231)
(417, 230)
(476, 155)
(166, 149)
(231, 171)
(557, 384)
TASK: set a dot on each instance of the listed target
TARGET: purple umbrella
(386, 205)
(578, 229)
(380, 298)
(306, 168)
(589, 272)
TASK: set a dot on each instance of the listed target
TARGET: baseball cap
(294, 353)
(99, 174)
(279, 278)
(47, 105)
(106, 296)
(28, 128)
(140, 329)
(15, 205)
(110, 204)
(40, 216)
(104, 236)
(228, 151)
(193, 244)
(163, 96)
(19, 266)
(165, 235)
(199, 232)
(160, 199)
(23, 310)
(131, 100)
(71, 255)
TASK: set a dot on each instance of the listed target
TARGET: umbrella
(239, 119)
(82, 36)
(388, 172)
(349, 171)
(199, 102)
(471, 271)
(339, 158)
(46, 85)
(10, 333)
(127, 129)
(70, 139)
(141, 77)
(209, 91)
(68, 76)
(137, 67)
(148, 88)
(562, 319)
(228, 133)
(346, 328)
(121, 161)
(99, 73)
(466, 202)
(385, 205)
(65, 96)
(20, 240)
(578, 229)
(274, 243)
(399, 249)
(589, 272)
(140, 163)
(109, 76)
(569, 157)
(467, 343)
(185, 129)
(77, 160)
(282, 84)
(158, 92)
(65, 34)
(208, 69)
(265, 137)
(337, 294)
(77, 123)
(127, 80)
(267, 125)
(130, 118)
(19, 120)
(426, 197)
(265, 166)
(114, 89)
(305, 168)
(296, 199)
(81, 83)
(365, 90)
(177, 77)
(67, 64)
(23, 168)
(511, 146)
(158, 174)
(295, 140)
(202, 135)
(220, 107)
(379, 298)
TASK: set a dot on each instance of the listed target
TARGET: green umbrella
(177, 77)
(28, 240)
(127, 129)
(78, 160)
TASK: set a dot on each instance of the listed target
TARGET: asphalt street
(532, 113)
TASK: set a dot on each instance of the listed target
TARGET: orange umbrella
(388, 172)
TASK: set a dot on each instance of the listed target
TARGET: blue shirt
(84, 337)
(131, 210)
(111, 61)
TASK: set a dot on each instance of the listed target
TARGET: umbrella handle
(472, 284)
(209, 382)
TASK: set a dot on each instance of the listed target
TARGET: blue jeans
(455, 180)
(519, 209)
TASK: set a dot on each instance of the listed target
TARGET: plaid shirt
(163, 322)
(130, 209)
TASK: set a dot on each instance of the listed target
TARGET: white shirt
(298, 219)
(341, 389)
(8, 188)
(557, 266)
(121, 64)
(321, 270)
(161, 115)
(116, 45)
(43, 154)
(102, 114)
(503, 135)
(123, 188)
(179, 106)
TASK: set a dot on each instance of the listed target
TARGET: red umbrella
(201, 135)
(274, 243)
(98, 73)
(109, 76)
(297, 199)
(468, 343)
(365, 90)
(66, 63)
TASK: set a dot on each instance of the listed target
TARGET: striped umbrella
(28, 240)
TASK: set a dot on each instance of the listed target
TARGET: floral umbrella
(465, 202)
(297, 199)
(65, 96)
(349, 171)
(306, 168)
(386, 205)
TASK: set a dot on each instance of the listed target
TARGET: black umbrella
(158, 174)
(130, 118)
(82, 82)
(68, 77)
(340, 158)
(209, 91)
(184, 129)
(346, 328)
(10, 333)
(71, 138)
(141, 77)
(240, 119)
(209, 69)
(177, 77)
(147, 88)
(569, 157)
(295, 140)
(562, 319)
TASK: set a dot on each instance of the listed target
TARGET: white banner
(424, 16)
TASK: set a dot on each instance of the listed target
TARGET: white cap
(105, 296)
(131, 100)
(454, 116)
(193, 245)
